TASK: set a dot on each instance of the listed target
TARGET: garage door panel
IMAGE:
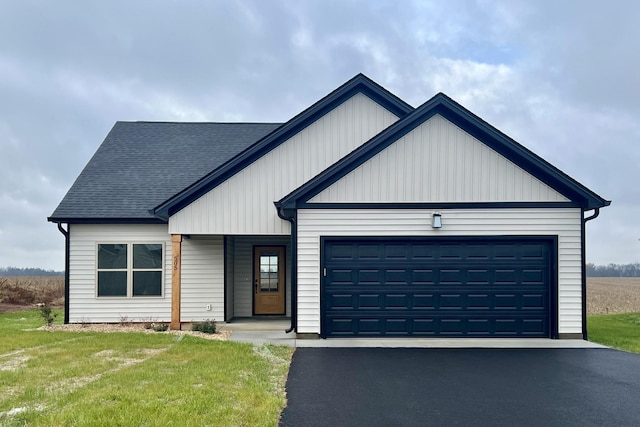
(397, 276)
(478, 277)
(342, 275)
(397, 301)
(370, 252)
(533, 301)
(423, 252)
(453, 277)
(422, 277)
(370, 324)
(397, 252)
(423, 301)
(479, 302)
(530, 276)
(341, 301)
(400, 287)
(408, 298)
(369, 277)
(368, 301)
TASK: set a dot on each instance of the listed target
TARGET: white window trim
(129, 270)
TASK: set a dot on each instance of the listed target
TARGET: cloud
(559, 77)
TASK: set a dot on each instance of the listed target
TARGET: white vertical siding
(438, 162)
(564, 223)
(243, 271)
(243, 204)
(202, 279)
(84, 305)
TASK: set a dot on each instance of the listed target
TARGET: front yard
(90, 378)
(621, 331)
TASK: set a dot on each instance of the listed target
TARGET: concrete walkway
(270, 331)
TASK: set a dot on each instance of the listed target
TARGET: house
(360, 216)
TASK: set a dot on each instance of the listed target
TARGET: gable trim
(359, 84)
(470, 123)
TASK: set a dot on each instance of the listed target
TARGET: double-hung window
(129, 269)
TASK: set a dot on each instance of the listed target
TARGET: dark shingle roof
(141, 164)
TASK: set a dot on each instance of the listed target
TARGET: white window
(129, 270)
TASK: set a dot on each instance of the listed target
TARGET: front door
(268, 280)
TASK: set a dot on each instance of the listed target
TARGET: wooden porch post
(176, 255)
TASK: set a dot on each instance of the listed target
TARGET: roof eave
(105, 220)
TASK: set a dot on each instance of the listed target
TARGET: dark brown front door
(268, 280)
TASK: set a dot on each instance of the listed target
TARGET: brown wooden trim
(176, 270)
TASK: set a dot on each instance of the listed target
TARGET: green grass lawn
(127, 379)
(621, 331)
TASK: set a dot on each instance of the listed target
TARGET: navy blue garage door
(449, 287)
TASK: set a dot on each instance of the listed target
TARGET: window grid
(130, 270)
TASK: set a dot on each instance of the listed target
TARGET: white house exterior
(331, 220)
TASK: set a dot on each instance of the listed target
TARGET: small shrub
(160, 327)
(149, 323)
(47, 315)
(124, 321)
(207, 326)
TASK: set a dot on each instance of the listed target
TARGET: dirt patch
(137, 328)
(13, 362)
(607, 295)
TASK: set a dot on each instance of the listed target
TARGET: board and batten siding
(243, 271)
(243, 204)
(562, 222)
(202, 279)
(84, 305)
(438, 162)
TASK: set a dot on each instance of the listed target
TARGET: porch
(231, 277)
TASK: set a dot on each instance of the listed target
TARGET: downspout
(596, 212)
(294, 264)
(65, 233)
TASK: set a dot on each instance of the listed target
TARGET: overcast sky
(560, 77)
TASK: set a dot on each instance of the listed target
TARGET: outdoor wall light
(436, 220)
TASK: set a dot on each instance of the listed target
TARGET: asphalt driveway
(470, 387)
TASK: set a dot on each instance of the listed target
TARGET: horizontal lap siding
(564, 223)
(84, 306)
(230, 277)
(202, 279)
(243, 204)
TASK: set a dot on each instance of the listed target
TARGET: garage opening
(438, 287)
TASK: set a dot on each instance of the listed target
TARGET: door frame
(282, 277)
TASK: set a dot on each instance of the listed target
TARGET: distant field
(17, 292)
(607, 295)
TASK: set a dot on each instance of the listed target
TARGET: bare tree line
(613, 270)
(29, 271)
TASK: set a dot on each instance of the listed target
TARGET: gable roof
(358, 84)
(469, 122)
(141, 164)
